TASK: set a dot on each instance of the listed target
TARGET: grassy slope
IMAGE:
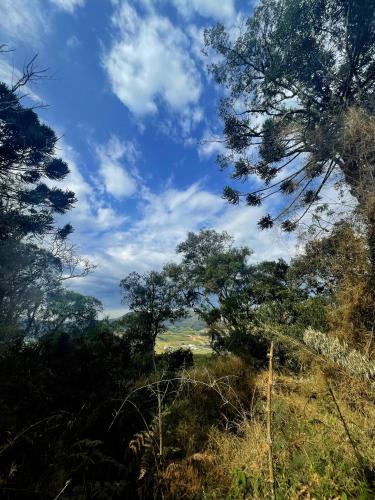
(223, 454)
(187, 332)
(313, 456)
(197, 341)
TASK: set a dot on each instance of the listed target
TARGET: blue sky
(129, 94)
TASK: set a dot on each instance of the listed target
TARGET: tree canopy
(155, 298)
(291, 76)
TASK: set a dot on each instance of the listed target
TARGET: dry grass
(216, 440)
(352, 317)
(312, 453)
(358, 146)
(183, 479)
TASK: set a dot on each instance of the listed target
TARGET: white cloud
(242, 223)
(190, 119)
(168, 216)
(165, 218)
(117, 180)
(68, 5)
(219, 10)
(210, 144)
(223, 10)
(73, 42)
(91, 212)
(150, 61)
(108, 218)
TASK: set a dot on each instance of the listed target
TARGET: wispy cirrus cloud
(22, 20)
(93, 212)
(213, 9)
(68, 5)
(30, 20)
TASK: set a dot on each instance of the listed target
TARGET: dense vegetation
(91, 410)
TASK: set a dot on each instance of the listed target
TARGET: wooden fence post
(271, 476)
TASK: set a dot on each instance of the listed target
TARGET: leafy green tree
(328, 261)
(68, 311)
(214, 277)
(155, 298)
(285, 304)
(221, 284)
(337, 270)
(135, 328)
(27, 275)
(28, 166)
(31, 280)
(291, 77)
(240, 301)
(212, 271)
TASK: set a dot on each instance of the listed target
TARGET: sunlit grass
(197, 341)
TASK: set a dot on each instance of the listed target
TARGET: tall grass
(216, 452)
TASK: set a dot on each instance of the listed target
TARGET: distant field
(197, 341)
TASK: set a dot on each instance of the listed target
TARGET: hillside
(188, 332)
(191, 322)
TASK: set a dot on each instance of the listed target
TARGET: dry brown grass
(352, 316)
(312, 453)
(185, 479)
(214, 396)
(213, 453)
(358, 146)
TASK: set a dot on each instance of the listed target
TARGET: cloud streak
(220, 11)
(20, 20)
(68, 5)
(30, 20)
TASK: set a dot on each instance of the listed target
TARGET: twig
(62, 491)
(216, 385)
(160, 422)
(354, 446)
(4, 448)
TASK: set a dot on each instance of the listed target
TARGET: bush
(58, 396)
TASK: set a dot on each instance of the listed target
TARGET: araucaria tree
(292, 76)
(35, 256)
(28, 167)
